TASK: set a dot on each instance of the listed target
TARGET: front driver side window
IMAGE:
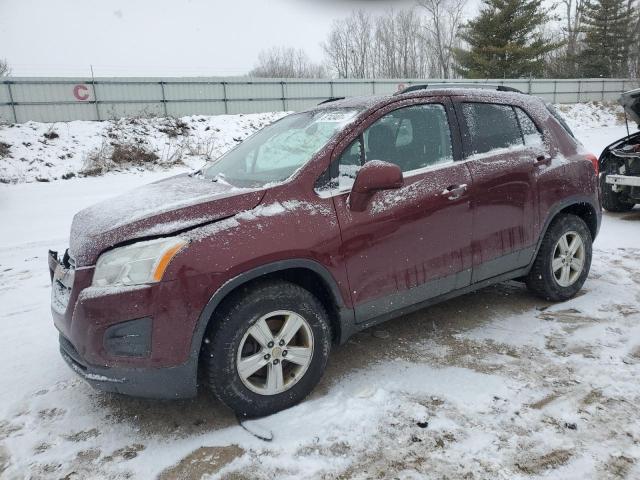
(411, 137)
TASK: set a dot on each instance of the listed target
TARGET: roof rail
(426, 86)
(332, 99)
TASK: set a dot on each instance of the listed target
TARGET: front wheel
(267, 348)
(563, 261)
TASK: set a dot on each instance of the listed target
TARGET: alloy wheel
(275, 352)
(568, 259)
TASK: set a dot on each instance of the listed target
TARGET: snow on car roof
(370, 101)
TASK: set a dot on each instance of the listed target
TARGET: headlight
(139, 263)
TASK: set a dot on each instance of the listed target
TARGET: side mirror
(373, 176)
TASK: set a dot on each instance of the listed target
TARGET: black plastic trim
(405, 298)
(385, 315)
(129, 339)
(566, 203)
(505, 263)
(345, 314)
(160, 383)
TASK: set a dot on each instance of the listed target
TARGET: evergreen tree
(609, 38)
(504, 40)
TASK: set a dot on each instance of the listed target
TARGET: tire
(612, 201)
(559, 285)
(239, 323)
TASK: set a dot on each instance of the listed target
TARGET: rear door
(502, 153)
(412, 243)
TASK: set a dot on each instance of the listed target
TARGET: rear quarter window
(530, 132)
(560, 120)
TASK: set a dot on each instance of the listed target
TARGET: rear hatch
(630, 101)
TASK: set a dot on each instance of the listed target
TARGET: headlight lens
(138, 263)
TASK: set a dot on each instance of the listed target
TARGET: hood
(157, 209)
(630, 101)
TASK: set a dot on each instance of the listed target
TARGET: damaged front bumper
(107, 338)
(161, 383)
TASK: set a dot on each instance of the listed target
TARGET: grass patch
(121, 156)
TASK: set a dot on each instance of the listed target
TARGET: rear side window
(491, 126)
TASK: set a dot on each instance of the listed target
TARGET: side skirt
(387, 312)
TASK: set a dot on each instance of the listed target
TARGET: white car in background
(620, 162)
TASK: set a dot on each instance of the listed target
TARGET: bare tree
(443, 23)
(566, 59)
(348, 47)
(284, 62)
(5, 71)
(387, 46)
(359, 26)
(573, 19)
(633, 9)
(336, 49)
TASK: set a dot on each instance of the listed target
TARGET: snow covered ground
(495, 384)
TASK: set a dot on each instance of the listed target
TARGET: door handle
(542, 160)
(455, 191)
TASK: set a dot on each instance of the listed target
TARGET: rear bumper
(162, 383)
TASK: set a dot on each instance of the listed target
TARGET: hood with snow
(161, 208)
(630, 101)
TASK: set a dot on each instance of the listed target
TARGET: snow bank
(592, 114)
(34, 151)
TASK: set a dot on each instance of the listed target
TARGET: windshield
(274, 153)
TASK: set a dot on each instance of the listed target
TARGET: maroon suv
(320, 225)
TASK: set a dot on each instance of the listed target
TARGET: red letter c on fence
(81, 92)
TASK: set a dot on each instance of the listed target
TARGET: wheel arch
(583, 207)
(309, 274)
(586, 212)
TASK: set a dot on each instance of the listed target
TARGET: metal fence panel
(6, 113)
(352, 89)
(4, 94)
(311, 90)
(130, 109)
(114, 92)
(62, 99)
(255, 106)
(56, 113)
(182, 109)
(193, 91)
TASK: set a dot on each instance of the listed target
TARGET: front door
(412, 243)
(501, 152)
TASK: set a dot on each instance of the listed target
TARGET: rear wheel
(268, 347)
(563, 261)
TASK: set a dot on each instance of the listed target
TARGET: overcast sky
(161, 37)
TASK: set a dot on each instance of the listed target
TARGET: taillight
(594, 160)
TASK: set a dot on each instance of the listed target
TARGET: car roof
(370, 102)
